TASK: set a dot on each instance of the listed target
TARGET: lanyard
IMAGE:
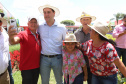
(36, 38)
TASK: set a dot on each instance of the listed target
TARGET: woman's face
(70, 46)
(93, 34)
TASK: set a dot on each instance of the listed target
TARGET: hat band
(70, 39)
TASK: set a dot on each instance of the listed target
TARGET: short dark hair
(124, 16)
(2, 14)
(51, 9)
(109, 40)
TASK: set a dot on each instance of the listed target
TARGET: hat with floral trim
(85, 15)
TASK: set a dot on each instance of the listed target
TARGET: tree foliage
(1, 11)
(68, 22)
(118, 16)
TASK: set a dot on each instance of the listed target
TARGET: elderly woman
(102, 56)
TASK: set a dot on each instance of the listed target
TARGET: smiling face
(48, 14)
(33, 25)
(70, 46)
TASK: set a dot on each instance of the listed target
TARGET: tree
(1, 11)
(118, 16)
(67, 22)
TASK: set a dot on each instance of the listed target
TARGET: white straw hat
(70, 38)
(100, 29)
(57, 12)
(85, 15)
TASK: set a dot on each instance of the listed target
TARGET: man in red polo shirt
(30, 48)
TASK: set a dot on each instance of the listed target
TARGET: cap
(32, 17)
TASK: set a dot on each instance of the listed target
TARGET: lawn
(18, 79)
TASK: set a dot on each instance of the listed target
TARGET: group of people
(88, 55)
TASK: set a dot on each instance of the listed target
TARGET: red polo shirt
(30, 50)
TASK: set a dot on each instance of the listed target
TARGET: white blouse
(4, 51)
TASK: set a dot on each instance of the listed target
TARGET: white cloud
(68, 10)
(28, 7)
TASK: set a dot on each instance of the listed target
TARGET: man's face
(48, 14)
(85, 21)
(33, 25)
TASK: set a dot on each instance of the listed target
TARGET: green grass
(18, 79)
(14, 47)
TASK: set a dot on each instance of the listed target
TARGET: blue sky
(69, 9)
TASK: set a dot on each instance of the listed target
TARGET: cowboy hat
(100, 29)
(4, 22)
(70, 38)
(57, 12)
(85, 15)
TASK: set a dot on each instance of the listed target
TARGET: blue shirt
(51, 38)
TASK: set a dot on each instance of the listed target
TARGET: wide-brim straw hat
(70, 38)
(57, 12)
(85, 15)
(4, 21)
(100, 28)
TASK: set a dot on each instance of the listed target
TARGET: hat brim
(92, 17)
(92, 27)
(4, 22)
(32, 17)
(70, 41)
(57, 12)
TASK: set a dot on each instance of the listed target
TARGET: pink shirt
(72, 64)
(120, 41)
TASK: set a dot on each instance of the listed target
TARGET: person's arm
(117, 33)
(85, 73)
(121, 66)
(122, 33)
(83, 64)
(13, 39)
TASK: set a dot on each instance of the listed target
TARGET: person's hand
(12, 32)
(85, 78)
(78, 44)
(13, 39)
